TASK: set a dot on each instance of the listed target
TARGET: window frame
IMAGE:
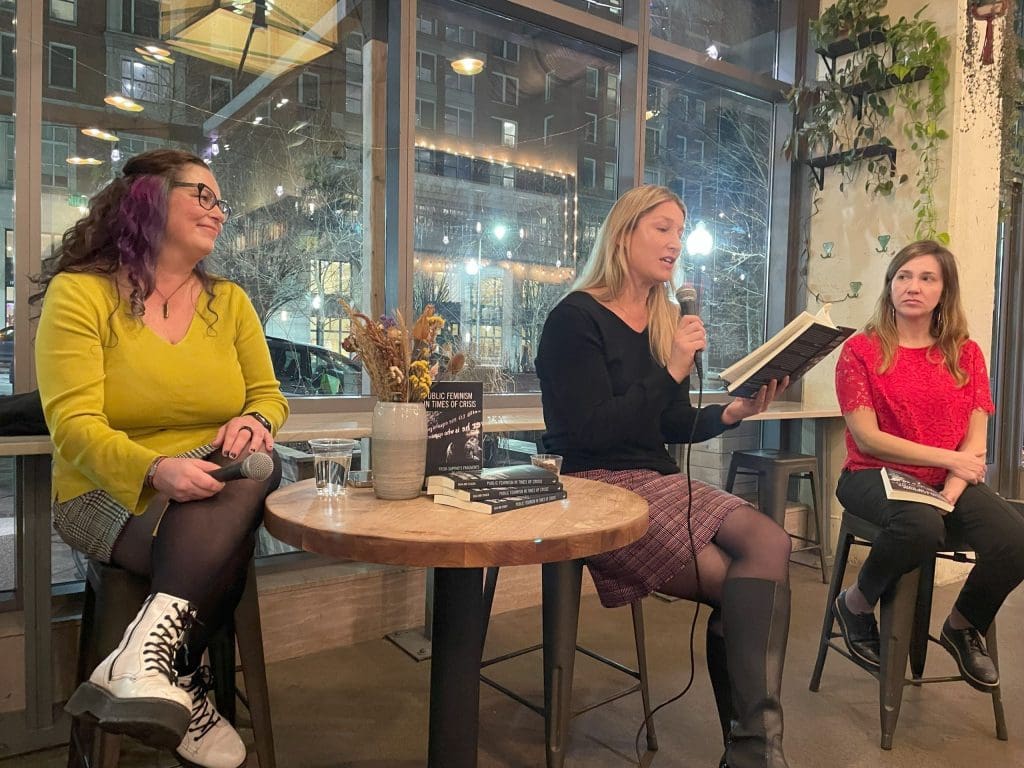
(74, 66)
(74, 11)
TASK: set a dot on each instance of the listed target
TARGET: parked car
(306, 369)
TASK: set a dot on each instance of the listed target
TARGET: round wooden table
(596, 517)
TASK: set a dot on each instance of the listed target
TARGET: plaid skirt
(635, 570)
(92, 522)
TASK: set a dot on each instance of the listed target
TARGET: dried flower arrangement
(401, 362)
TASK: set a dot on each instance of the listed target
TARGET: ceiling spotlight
(468, 65)
(152, 50)
(123, 103)
(76, 160)
(99, 133)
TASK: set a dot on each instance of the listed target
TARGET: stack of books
(496, 489)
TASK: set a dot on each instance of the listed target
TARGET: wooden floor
(365, 706)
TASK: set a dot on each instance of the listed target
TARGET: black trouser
(912, 533)
(199, 551)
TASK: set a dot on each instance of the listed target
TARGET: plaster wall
(967, 198)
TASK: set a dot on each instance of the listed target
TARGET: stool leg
(922, 619)
(997, 695)
(637, 609)
(731, 477)
(819, 524)
(777, 493)
(254, 669)
(490, 584)
(896, 626)
(838, 573)
(221, 650)
(83, 732)
(561, 584)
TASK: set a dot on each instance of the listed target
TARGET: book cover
(454, 426)
(793, 351)
(495, 477)
(483, 494)
(902, 487)
(494, 506)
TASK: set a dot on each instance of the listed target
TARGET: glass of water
(332, 460)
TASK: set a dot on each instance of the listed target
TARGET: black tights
(199, 552)
(749, 544)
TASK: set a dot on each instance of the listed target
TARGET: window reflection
(511, 182)
(713, 147)
(742, 32)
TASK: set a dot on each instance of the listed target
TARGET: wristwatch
(261, 419)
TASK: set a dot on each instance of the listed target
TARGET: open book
(792, 352)
(902, 487)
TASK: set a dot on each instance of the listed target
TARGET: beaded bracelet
(151, 472)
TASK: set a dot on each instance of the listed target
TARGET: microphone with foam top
(258, 466)
(687, 298)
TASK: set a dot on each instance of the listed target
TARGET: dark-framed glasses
(206, 197)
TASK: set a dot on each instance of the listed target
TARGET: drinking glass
(332, 461)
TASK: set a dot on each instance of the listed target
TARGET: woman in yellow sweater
(153, 373)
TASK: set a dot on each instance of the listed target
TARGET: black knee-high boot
(755, 615)
(718, 671)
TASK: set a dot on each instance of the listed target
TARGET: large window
(502, 217)
(741, 32)
(145, 82)
(721, 166)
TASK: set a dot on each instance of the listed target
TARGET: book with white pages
(900, 486)
(793, 351)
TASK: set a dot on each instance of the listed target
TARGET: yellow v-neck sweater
(116, 395)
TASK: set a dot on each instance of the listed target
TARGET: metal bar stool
(112, 598)
(558, 716)
(773, 469)
(905, 613)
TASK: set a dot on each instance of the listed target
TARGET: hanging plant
(876, 67)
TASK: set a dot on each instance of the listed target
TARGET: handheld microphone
(257, 466)
(687, 298)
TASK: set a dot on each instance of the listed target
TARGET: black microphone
(687, 298)
(257, 466)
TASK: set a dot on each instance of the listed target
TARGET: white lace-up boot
(133, 690)
(210, 741)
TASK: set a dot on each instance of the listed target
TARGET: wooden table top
(596, 517)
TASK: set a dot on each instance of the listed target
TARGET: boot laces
(204, 716)
(159, 651)
(974, 643)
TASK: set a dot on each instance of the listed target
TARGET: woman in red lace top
(914, 392)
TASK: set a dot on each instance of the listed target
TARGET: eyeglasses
(206, 197)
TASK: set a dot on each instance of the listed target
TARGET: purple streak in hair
(138, 228)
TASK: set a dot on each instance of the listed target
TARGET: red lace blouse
(916, 399)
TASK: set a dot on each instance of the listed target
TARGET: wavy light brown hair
(949, 323)
(605, 271)
(123, 231)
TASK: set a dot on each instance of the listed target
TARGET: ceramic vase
(399, 433)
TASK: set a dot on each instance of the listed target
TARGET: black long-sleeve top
(607, 403)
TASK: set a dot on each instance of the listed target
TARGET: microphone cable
(696, 570)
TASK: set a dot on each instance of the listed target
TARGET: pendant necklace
(168, 297)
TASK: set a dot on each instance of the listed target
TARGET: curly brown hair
(122, 233)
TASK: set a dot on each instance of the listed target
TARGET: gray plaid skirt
(635, 570)
(92, 522)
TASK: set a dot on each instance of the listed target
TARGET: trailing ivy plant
(903, 68)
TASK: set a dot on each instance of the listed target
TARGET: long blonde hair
(949, 323)
(604, 274)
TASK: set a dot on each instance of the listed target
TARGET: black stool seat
(773, 469)
(904, 617)
(112, 599)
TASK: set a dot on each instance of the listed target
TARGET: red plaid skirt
(635, 570)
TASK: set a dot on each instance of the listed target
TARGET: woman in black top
(614, 363)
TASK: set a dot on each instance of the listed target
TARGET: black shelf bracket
(859, 91)
(848, 45)
(819, 164)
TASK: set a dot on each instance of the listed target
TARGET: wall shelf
(819, 164)
(860, 90)
(848, 45)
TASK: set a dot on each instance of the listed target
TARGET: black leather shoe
(860, 633)
(968, 649)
